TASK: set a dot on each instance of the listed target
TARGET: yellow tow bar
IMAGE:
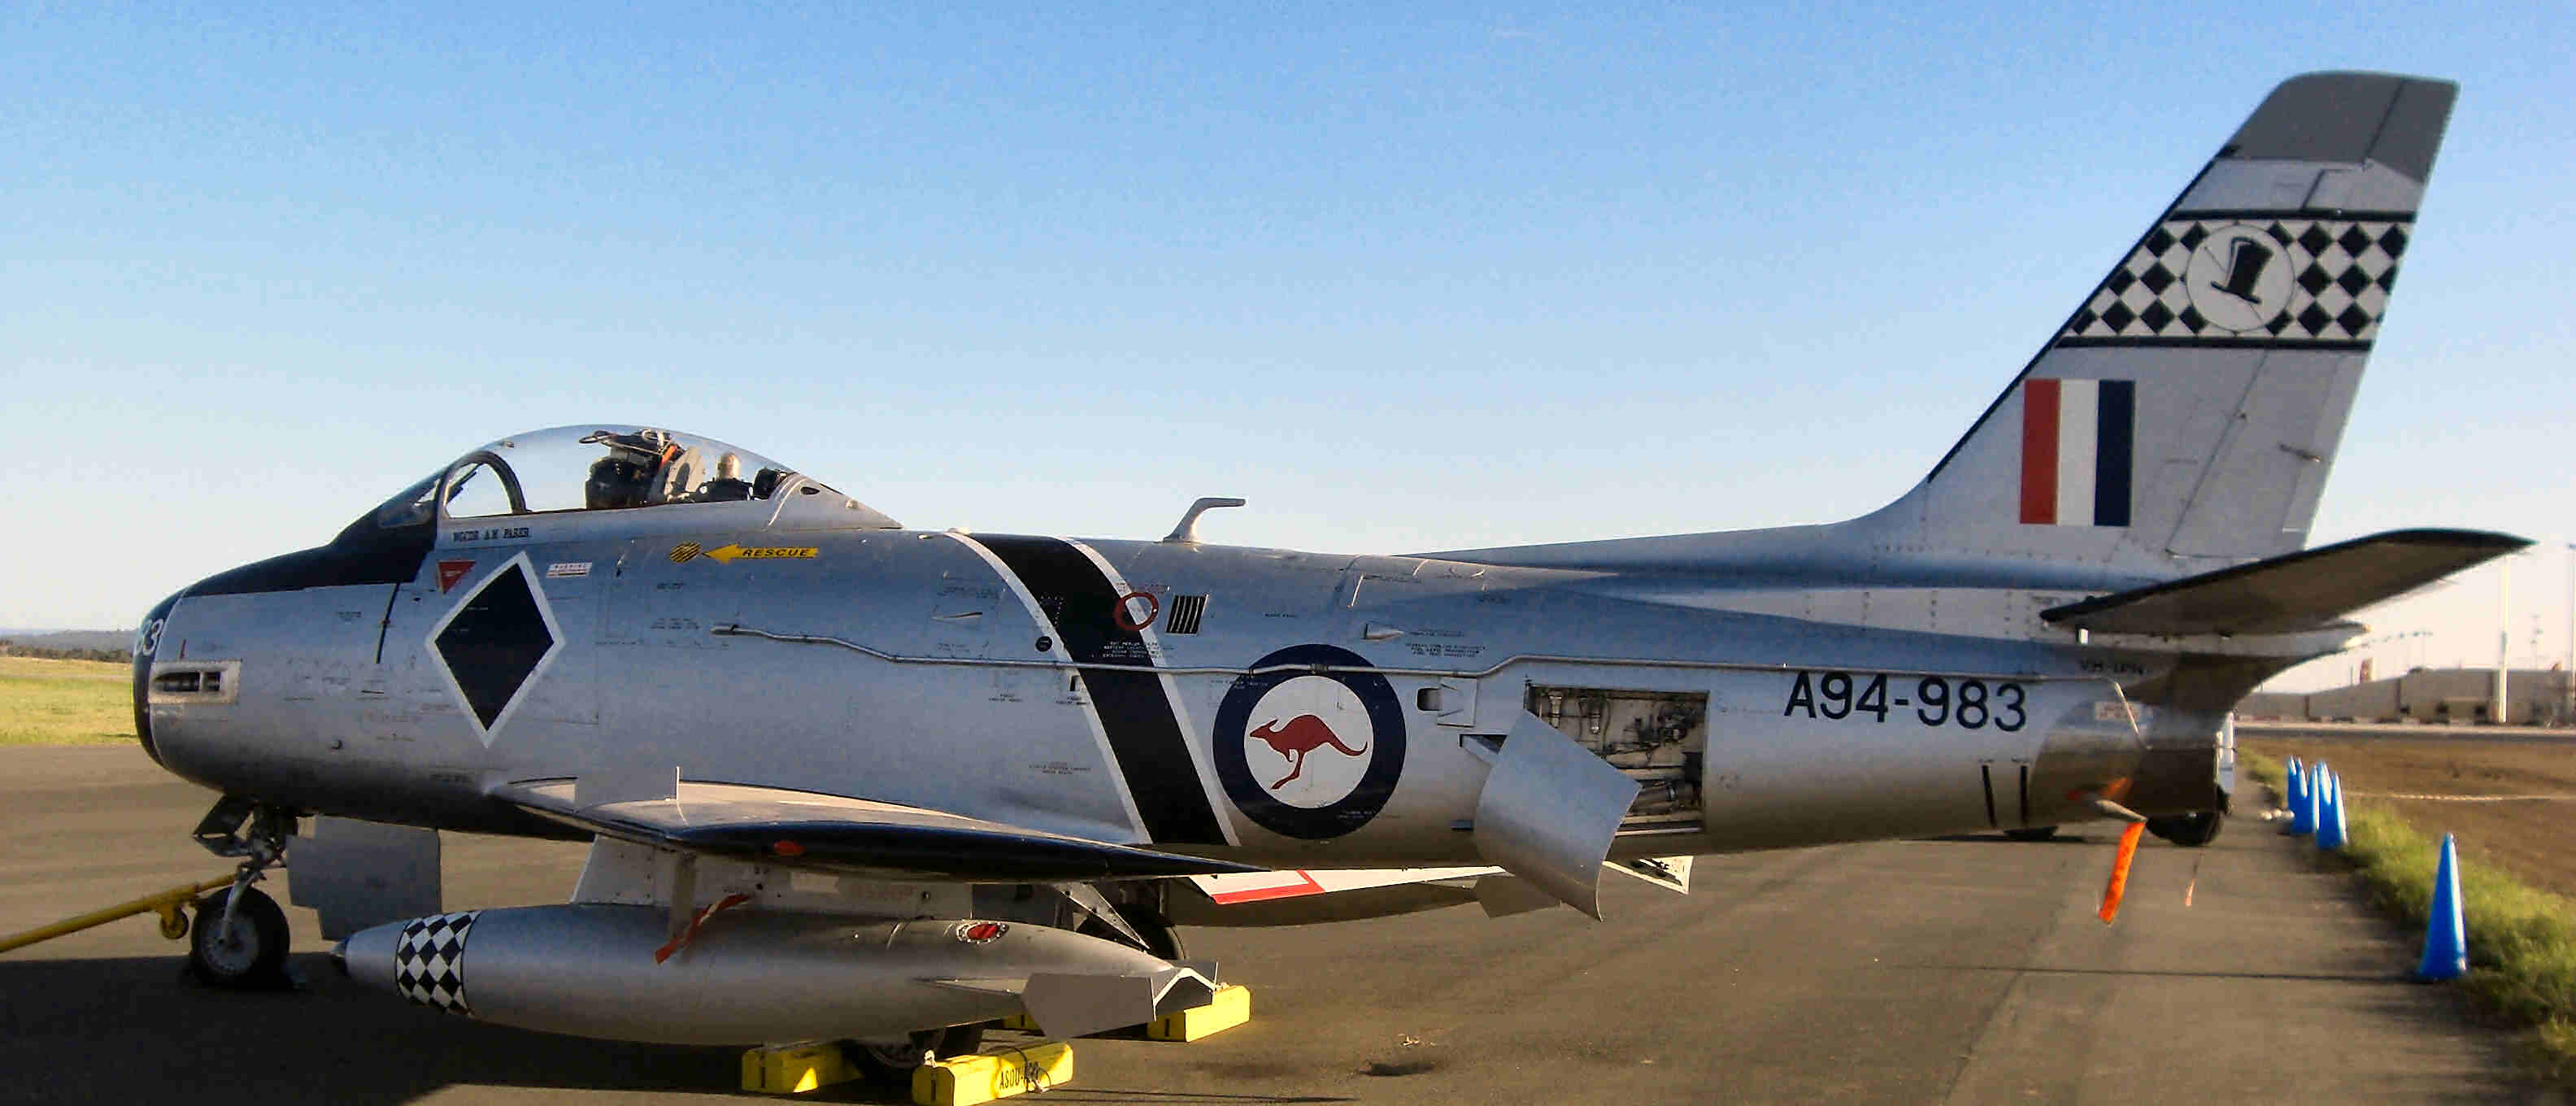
(174, 925)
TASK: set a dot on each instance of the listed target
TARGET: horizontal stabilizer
(802, 829)
(1672, 873)
(2306, 590)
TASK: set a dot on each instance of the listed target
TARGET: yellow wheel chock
(978, 1077)
(997, 1073)
(167, 903)
(795, 1069)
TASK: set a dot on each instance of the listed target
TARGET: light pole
(2567, 675)
(2504, 634)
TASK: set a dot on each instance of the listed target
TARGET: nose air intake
(147, 643)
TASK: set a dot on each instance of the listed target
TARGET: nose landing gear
(240, 939)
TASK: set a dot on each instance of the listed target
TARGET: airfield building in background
(2439, 696)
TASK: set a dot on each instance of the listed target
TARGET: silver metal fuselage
(928, 669)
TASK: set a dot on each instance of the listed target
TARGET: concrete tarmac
(1967, 970)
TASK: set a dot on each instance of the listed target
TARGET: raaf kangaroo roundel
(1302, 735)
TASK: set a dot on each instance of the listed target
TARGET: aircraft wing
(2306, 590)
(802, 829)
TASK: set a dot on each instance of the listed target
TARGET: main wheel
(891, 1063)
(2032, 833)
(2190, 831)
(247, 953)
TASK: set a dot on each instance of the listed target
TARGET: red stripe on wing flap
(1255, 888)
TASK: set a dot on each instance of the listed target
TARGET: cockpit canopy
(617, 467)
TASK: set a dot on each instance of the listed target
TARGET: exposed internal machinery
(848, 780)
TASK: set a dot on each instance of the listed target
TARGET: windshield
(410, 506)
(597, 468)
(615, 467)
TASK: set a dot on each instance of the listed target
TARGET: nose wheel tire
(250, 952)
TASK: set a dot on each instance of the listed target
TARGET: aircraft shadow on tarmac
(136, 1029)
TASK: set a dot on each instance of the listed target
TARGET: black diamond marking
(2121, 279)
(2278, 324)
(2192, 321)
(2353, 319)
(2388, 280)
(492, 644)
(2353, 280)
(2157, 278)
(2278, 233)
(2118, 316)
(2315, 320)
(2193, 237)
(2354, 240)
(2156, 316)
(2315, 239)
(2394, 241)
(2084, 320)
(2159, 241)
(2314, 278)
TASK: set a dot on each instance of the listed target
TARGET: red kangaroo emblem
(1302, 735)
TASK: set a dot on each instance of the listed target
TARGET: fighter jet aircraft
(849, 780)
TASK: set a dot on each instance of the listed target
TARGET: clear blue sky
(1478, 276)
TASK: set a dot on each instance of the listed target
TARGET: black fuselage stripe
(1144, 734)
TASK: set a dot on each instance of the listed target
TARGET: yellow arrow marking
(725, 554)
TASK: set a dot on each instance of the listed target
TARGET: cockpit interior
(609, 468)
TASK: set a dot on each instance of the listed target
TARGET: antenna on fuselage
(1187, 533)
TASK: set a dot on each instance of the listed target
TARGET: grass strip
(52, 702)
(2522, 942)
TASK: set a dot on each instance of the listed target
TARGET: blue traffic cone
(2303, 809)
(2330, 824)
(2294, 784)
(2446, 939)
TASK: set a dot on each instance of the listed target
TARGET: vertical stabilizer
(2187, 413)
(2183, 419)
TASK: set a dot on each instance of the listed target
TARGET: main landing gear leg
(240, 939)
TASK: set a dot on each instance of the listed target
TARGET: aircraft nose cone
(147, 643)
